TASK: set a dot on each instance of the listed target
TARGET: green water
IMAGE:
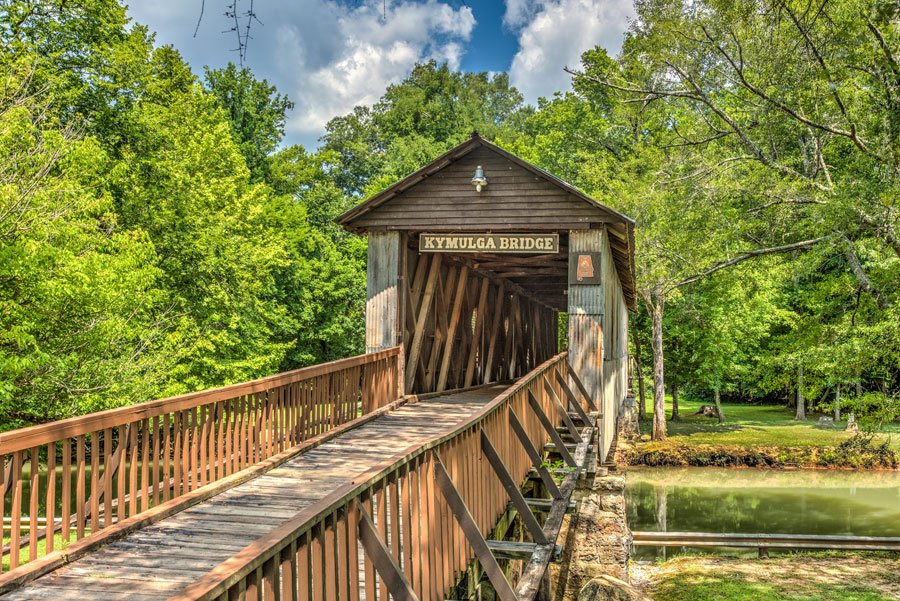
(760, 501)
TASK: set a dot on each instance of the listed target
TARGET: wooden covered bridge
(396, 473)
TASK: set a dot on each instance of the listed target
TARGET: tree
(80, 326)
(255, 110)
(428, 113)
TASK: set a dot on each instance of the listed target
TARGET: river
(703, 499)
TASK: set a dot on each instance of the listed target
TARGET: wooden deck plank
(170, 554)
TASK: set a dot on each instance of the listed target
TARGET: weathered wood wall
(514, 198)
(382, 297)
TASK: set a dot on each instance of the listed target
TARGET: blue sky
(329, 56)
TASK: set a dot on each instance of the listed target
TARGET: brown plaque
(584, 268)
(539, 244)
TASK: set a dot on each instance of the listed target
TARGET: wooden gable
(518, 196)
(514, 198)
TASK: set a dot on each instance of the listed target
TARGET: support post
(573, 400)
(512, 489)
(381, 558)
(382, 291)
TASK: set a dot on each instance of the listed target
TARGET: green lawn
(753, 425)
(803, 576)
(24, 553)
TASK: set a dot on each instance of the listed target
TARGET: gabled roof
(454, 154)
(622, 226)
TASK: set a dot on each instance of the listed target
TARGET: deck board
(178, 550)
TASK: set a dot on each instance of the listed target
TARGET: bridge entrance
(473, 258)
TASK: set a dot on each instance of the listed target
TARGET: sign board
(584, 268)
(489, 243)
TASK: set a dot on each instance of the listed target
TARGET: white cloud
(327, 56)
(553, 34)
(375, 50)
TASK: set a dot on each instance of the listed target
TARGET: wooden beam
(385, 563)
(559, 406)
(551, 430)
(418, 337)
(530, 580)
(454, 323)
(512, 489)
(573, 400)
(495, 328)
(473, 534)
(479, 325)
(581, 388)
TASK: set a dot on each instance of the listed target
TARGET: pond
(706, 499)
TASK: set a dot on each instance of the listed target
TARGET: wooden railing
(74, 478)
(764, 542)
(419, 515)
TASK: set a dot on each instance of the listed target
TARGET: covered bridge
(473, 257)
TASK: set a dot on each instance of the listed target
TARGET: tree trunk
(659, 386)
(801, 403)
(675, 416)
(837, 403)
(639, 368)
(719, 405)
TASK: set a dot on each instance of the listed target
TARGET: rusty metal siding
(587, 305)
(382, 298)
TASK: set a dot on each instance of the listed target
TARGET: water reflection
(761, 501)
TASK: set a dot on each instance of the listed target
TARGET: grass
(754, 425)
(24, 553)
(801, 576)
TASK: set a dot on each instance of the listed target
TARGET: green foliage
(78, 290)
(254, 109)
(428, 113)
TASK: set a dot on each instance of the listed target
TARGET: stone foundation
(596, 540)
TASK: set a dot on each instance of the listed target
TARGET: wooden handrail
(168, 448)
(774, 541)
(26, 438)
(413, 471)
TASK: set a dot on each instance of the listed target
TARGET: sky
(331, 55)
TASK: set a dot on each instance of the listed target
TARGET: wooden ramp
(158, 560)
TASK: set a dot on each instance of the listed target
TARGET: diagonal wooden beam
(559, 407)
(573, 400)
(512, 489)
(473, 534)
(455, 314)
(551, 430)
(536, 461)
(419, 335)
(581, 388)
(385, 563)
(479, 321)
(499, 300)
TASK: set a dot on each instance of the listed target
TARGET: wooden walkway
(158, 560)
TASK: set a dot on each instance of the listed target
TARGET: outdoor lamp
(479, 179)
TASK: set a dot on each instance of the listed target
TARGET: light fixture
(479, 180)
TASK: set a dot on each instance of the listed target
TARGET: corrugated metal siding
(382, 272)
(587, 305)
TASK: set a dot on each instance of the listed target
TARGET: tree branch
(749, 254)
